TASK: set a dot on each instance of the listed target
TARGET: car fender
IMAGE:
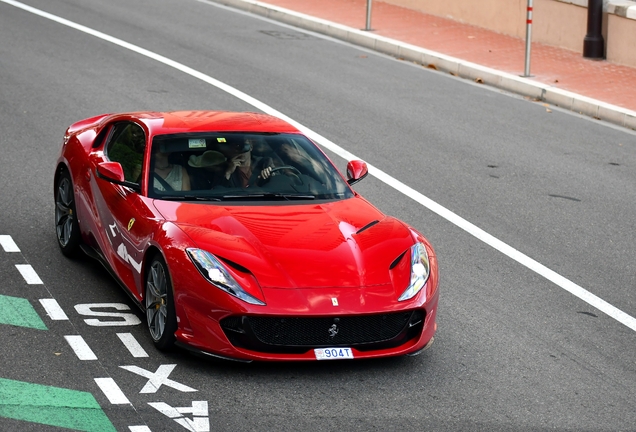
(171, 242)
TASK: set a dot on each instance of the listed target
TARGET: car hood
(346, 243)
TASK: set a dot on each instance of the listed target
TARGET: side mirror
(113, 172)
(356, 171)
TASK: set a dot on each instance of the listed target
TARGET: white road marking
(29, 275)
(81, 348)
(139, 429)
(8, 244)
(132, 345)
(122, 318)
(158, 378)
(199, 410)
(112, 391)
(480, 234)
(53, 309)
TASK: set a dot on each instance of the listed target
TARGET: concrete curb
(626, 9)
(461, 68)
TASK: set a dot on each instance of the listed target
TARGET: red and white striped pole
(526, 72)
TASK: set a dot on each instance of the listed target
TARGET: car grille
(298, 334)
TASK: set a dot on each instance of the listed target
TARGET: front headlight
(420, 270)
(212, 269)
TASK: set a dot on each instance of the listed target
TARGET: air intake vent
(367, 226)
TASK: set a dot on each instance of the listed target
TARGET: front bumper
(261, 337)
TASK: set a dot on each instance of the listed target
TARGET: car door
(127, 219)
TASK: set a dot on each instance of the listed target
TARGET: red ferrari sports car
(238, 238)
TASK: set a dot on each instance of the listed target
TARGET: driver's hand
(266, 173)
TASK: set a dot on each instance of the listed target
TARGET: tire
(159, 302)
(67, 227)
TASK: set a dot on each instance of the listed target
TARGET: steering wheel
(296, 173)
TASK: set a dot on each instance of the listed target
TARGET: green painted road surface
(19, 312)
(36, 403)
(52, 406)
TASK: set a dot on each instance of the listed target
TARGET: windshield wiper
(269, 196)
(188, 198)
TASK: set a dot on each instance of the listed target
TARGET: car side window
(126, 146)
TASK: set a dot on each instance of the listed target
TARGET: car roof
(160, 123)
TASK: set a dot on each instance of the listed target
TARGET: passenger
(290, 155)
(208, 166)
(241, 168)
(168, 176)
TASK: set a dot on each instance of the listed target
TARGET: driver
(242, 169)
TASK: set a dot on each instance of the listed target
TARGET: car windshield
(241, 167)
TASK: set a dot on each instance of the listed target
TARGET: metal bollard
(368, 25)
(594, 44)
(526, 71)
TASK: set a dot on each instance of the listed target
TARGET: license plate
(333, 353)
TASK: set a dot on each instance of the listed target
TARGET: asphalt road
(513, 351)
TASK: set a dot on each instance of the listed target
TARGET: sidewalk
(561, 77)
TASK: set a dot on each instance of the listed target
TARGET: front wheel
(66, 226)
(160, 311)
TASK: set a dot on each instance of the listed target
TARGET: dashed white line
(139, 429)
(53, 309)
(81, 348)
(8, 244)
(132, 345)
(502, 247)
(112, 391)
(29, 275)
